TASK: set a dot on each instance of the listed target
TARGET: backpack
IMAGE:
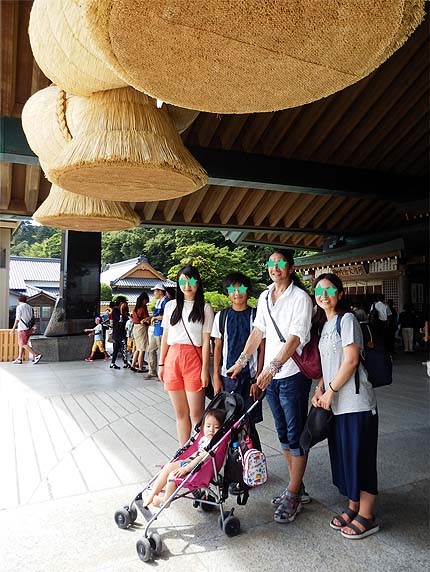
(254, 467)
(309, 362)
(375, 358)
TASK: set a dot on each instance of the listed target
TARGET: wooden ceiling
(380, 124)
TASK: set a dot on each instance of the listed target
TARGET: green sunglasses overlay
(191, 281)
(280, 263)
(330, 291)
(241, 289)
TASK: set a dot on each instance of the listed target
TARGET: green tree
(105, 292)
(214, 263)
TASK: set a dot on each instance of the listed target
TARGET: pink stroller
(203, 485)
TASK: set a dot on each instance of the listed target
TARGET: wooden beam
(149, 210)
(192, 202)
(170, 208)
(253, 197)
(271, 200)
(215, 196)
(9, 39)
(32, 182)
(5, 185)
(236, 196)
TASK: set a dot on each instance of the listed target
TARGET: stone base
(62, 348)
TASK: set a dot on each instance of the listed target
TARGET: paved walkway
(78, 439)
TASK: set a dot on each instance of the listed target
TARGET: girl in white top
(184, 354)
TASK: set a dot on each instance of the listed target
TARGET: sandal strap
(355, 529)
(368, 524)
(350, 512)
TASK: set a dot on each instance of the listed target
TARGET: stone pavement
(77, 440)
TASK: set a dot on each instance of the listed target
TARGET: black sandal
(349, 512)
(370, 527)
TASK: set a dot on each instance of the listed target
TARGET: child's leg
(161, 480)
(169, 490)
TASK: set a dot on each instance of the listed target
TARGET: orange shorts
(183, 368)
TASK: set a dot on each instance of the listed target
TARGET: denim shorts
(288, 400)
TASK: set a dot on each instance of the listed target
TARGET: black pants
(119, 346)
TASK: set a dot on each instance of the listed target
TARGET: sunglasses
(330, 291)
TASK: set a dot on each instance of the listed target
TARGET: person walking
(24, 317)
(155, 338)
(286, 304)
(119, 317)
(97, 332)
(353, 443)
(184, 354)
(408, 322)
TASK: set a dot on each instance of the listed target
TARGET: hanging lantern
(69, 211)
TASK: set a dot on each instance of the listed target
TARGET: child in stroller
(200, 480)
(167, 477)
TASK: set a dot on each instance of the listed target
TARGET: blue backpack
(375, 358)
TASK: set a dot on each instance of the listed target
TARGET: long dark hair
(141, 301)
(198, 311)
(288, 255)
(342, 306)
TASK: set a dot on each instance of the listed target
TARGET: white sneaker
(17, 360)
(37, 359)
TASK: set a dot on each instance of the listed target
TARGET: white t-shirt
(176, 334)
(23, 312)
(331, 351)
(292, 313)
(217, 334)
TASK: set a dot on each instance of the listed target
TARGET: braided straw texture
(44, 124)
(64, 50)
(124, 148)
(242, 56)
(68, 211)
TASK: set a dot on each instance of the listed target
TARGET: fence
(9, 346)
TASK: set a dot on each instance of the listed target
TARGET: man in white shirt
(288, 305)
(23, 318)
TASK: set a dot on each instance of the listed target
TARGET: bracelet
(319, 387)
(243, 359)
(161, 365)
(333, 390)
(275, 367)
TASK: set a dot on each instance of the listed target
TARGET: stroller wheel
(232, 526)
(221, 521)
(156, 543)
(208, 507)
(144, 549)
(122, 518)
(133, 514)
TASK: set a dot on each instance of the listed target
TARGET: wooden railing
(9, 346)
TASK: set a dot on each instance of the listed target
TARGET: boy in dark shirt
(230, 331)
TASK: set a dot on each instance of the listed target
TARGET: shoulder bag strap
(357, 373)
(278, 331)
(192, 343)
